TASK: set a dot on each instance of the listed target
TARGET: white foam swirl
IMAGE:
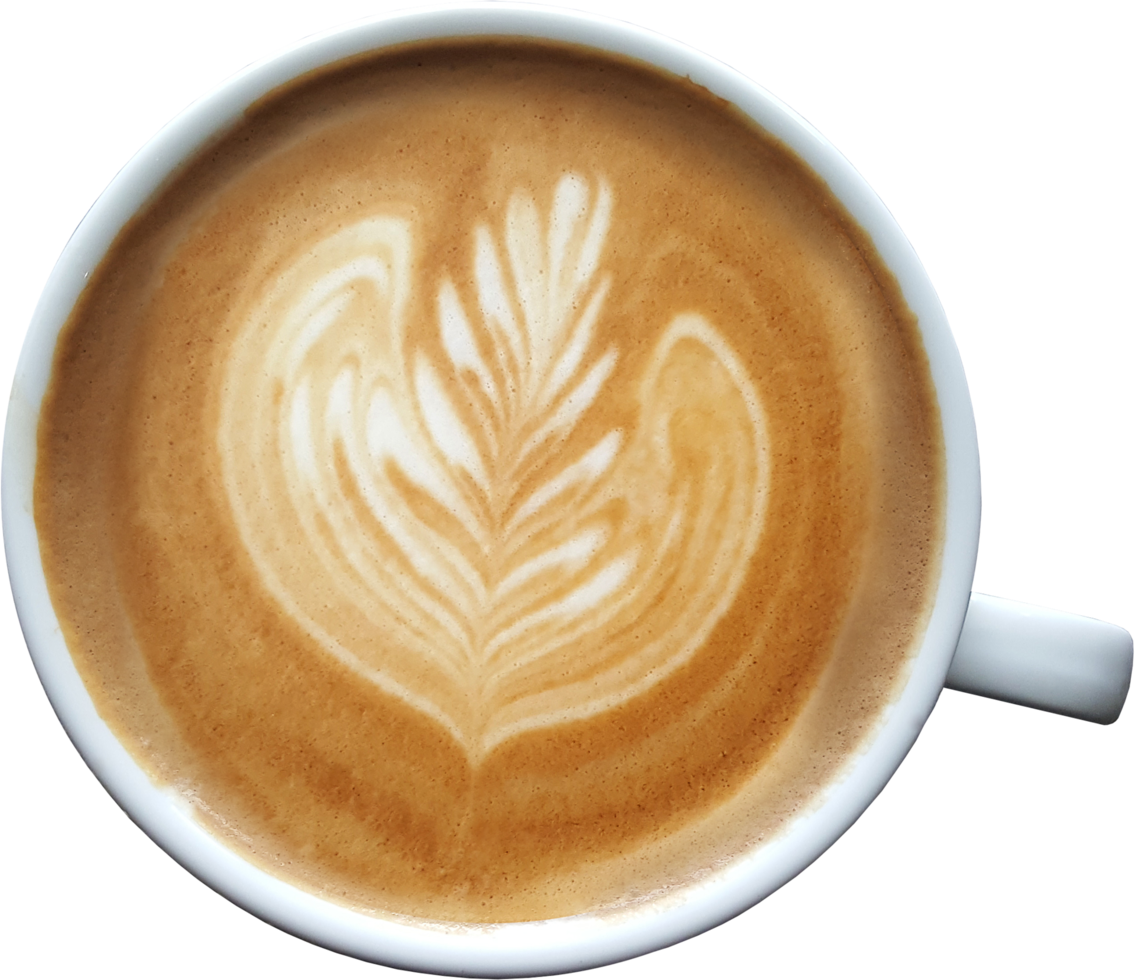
(432, 501)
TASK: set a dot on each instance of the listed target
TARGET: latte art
(430, 515)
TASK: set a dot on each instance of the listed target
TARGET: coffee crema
(495, 481)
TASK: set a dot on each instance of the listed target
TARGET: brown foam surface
(493, 482)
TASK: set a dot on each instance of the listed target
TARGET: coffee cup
(630, 952)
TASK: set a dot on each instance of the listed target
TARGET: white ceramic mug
(1066, 664)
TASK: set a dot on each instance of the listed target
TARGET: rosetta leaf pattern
(442, 506)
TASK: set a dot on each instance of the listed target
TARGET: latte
(494, 481)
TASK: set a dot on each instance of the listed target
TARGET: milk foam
(493, 482)
(441, 506)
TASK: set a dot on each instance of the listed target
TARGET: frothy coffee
(494, 481)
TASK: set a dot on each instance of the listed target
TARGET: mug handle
(1023, 654)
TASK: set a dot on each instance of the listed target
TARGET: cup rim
(512, 949)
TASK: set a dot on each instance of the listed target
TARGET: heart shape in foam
(441, 504)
